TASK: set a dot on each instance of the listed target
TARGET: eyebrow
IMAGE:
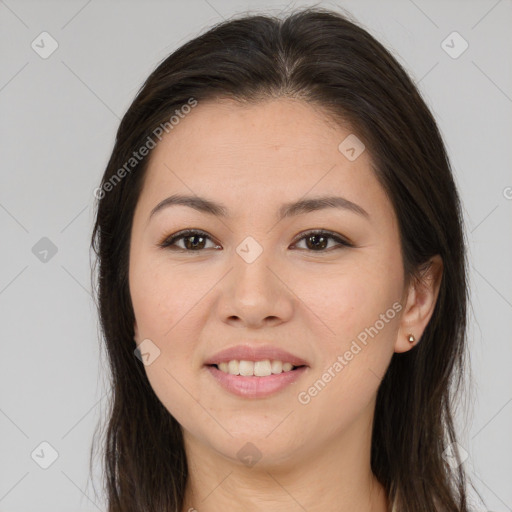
(301, 206)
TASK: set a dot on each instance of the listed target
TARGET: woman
(282, 280)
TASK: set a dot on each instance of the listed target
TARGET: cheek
(359, 312)
(165, 302)
(163, 299)
(347, 300)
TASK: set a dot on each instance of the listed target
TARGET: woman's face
(252, 278)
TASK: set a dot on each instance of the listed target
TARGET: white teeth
(233, 367)
(254, 368)
(287, 367)
(277, 366)
(262, 368)
(246, 368)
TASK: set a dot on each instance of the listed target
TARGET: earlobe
(420, 304)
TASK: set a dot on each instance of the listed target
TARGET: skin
(314, 304)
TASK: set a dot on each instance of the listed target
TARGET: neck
(336, 476)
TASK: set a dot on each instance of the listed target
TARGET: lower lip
(255, 387)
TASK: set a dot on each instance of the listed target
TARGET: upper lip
(255, 353)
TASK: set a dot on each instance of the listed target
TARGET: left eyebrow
(299, 207)
(320, 203)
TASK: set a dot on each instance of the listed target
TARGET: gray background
(58, 120)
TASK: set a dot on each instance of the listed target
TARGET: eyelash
(169, 241)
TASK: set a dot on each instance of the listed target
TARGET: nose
(255, 293)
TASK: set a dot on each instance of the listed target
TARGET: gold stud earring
(411, 338)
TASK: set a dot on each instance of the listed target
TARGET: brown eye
(318, 241)
(315, 241)
(193, 241)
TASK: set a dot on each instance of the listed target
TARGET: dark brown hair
(323, 58)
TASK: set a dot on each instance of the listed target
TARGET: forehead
(274, 150)
(270, 129)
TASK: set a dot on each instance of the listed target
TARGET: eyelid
(340, 239)
(171, 239)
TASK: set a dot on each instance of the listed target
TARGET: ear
(420, 301)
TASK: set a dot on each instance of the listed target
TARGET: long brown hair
(320, 57)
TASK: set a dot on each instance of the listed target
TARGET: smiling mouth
(264, 368)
